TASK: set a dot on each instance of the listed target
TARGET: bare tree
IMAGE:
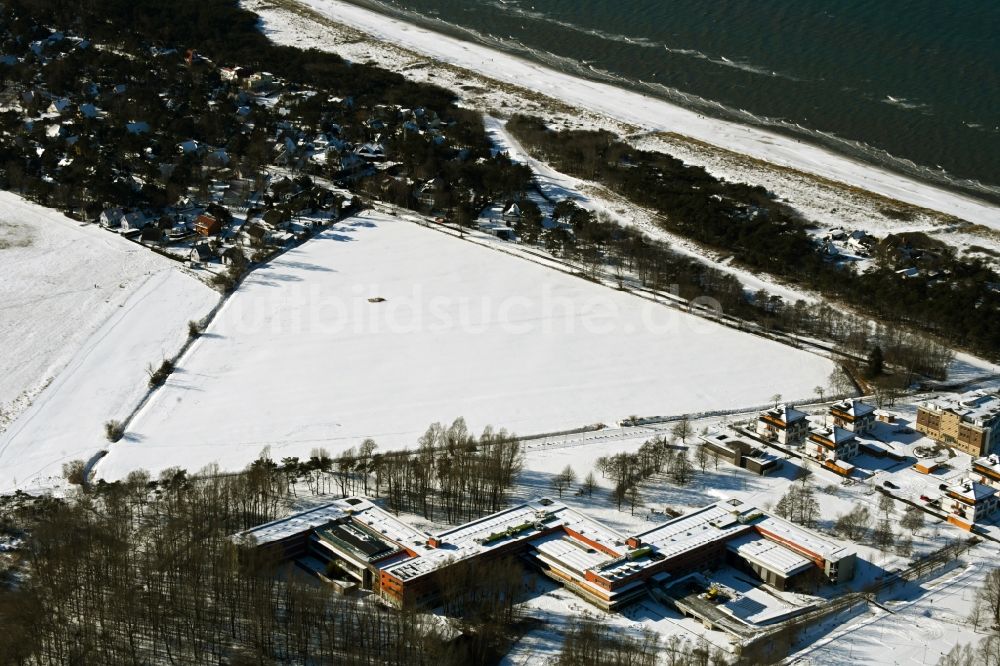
(882, 535)
(913, 519)
(634, 497)
(701, 456)
(986, 612)
(886, 504)
(682, 429)
(854, 524)
(563, 480)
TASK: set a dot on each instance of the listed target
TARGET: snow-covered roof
(711, 523)
(853, 407)
(988, 464)
(769, 554)
(801, 539)
(785, 413)
(976, 407)
(970, 490)
(284, 528)
(570, 553)
(832, 435)
(519, 523)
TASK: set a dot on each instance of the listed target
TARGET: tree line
(956, 301)
(452, 475)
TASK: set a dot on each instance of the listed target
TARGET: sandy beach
(644, 113)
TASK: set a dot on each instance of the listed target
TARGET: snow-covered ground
(299, 358)
(105, 379)
(60, 280)
(634, 109)
(918, 625)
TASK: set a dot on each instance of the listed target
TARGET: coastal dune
(655, 115)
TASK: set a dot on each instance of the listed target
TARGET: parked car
(890, 484)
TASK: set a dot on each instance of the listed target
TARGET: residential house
(233, 256)
(512, 213)
(426, 193)
(111, 218)
(371, 151)
(968, 502)
(207, 225)
(853, 414)
(259, 81)
(986, 470)
(831, 443)
(133, 221)
(201, 253)
(783, 424)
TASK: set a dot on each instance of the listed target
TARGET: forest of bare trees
(451, 476)
(145, 572)
(596, 644)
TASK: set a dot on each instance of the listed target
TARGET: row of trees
(954, 302)
(598, 644)
(451, 475)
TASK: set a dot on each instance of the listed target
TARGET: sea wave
(513, 9)
(853, 148)
(904, 103)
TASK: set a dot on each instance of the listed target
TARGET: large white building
(354, 540)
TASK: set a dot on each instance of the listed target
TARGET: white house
(831, 443)
(784, 424)
(132, 221)
(853, 415)
(967, 502)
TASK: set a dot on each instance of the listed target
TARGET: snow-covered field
(919, 623)
(84, 311)
(105, 379)
(588, 97)
(299, 358)
(59, 282)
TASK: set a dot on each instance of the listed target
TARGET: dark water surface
(912, 85)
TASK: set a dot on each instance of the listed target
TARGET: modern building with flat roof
(740, 451)
(355, 538)
(969, 421)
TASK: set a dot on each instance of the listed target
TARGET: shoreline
(649, 114)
